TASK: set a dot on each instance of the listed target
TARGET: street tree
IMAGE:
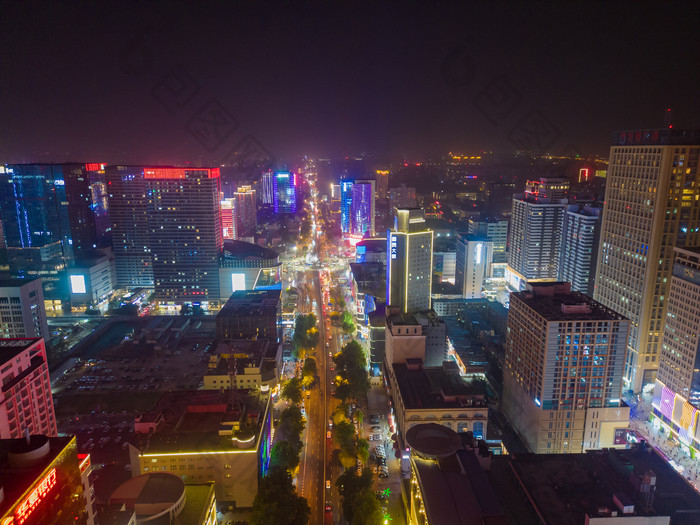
(309, 367)
(367, 510)
(278, 502)
(351, 486)
(284, 455)
(292, 390)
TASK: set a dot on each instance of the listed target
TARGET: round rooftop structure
(244, 251)
(433, 441)
(151, 495)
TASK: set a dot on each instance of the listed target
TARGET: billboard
(77, 284)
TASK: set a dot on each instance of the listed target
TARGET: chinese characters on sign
(35, 498)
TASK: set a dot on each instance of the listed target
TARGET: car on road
(332, 367)
(377, 437)
(376, 429)
(328, 484)
(332, 392)
(383, 474)
(328, 506)
(328, 434)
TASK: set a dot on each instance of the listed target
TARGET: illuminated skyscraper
(25, 398)
(679, 362)
(268, 187)
(579, 248)
(285, 192)
(246, 210)
(473, 258)
(127, 205)
(402, 197)
(535, 232)
(652, 203)
(87, 206)
(409, 262)
(382, 184)
(497, 232)
(229, 219)
(562, 377)
(35, 218)
(185, 237)
(357, 207)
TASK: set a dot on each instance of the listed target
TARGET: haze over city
(349, 263)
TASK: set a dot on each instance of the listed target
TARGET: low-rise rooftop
(433, 387)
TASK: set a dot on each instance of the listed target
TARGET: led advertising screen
(77, 284)
(237, 281)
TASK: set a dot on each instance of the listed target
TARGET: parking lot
(86, 404)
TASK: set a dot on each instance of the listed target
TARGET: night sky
(192, 83)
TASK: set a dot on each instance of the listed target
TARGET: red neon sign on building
(35, 498)
(177, 173)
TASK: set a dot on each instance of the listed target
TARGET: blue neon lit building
(357, 207)
(284, 189)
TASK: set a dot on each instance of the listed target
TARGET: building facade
(357, 211)
(579, 247)
(129, 216)
(535, 242)
(473, 261)
(43, 482)
(35, 218)
(26, 389)
(409, 261)
(247, 210)
(229, 219)
(677, 387)
(652, 204)
(496, 230)
(22, 310)
(184, 233)
(564, 360)
(284, 191)
(250, 314)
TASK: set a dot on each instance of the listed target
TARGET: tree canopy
(278, 502)
(292, 390)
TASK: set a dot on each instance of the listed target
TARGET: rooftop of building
(373, 244)
(249, 347)
(246, 303)
(411, 319)
(10, 348)
(433, 387)
(566, 487)
(456, 490)
(16, 480)
(432, 441)
(243, 251)
(657, 137)
(202, 420)
(556, 302)
(150, 488)
(16, 283)
(240, 364)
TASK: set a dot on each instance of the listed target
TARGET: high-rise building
(128, 212)
(357, 207)
(45, 480)
(25, 398)
(35, 218)
(402, 197)
(679, 361)
(382, 177)
(345, 205)
(285, 192)
(229, 219)
(579, 247)
(184, 233)
(409, 261)
(496, 230)
(268, 187)
(473, 261)
(246, 210)
(535, 233)
(87, 207)
(22, 311)
(652, 203)
(564, 360)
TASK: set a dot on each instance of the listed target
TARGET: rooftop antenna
(668, 115)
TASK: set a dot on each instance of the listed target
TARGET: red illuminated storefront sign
(35, 498)
(177, 173)
(95, 166)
